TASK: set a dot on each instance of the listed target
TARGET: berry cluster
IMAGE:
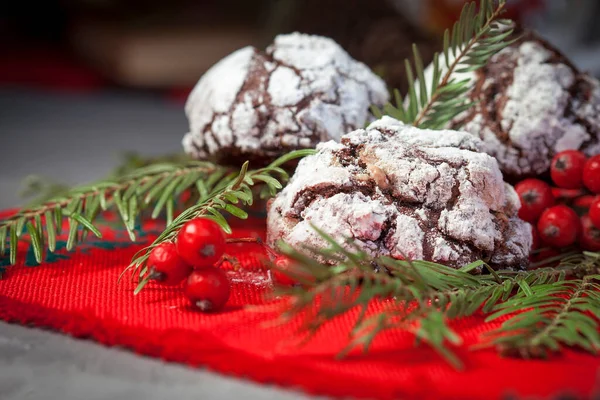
(195, 257)
(200, 245)
(568, 214)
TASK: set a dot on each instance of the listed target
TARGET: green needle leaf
(272, 182)
(36, 242)
(165, 196)
(14, 240)
(20, 225)
(58, 220)
(291, 156)
(525, 287)
(240, 178)
(158, 188)
(40, 229)
(86, 223)
(102, 197)
(219, 219)
(236, 212)
(169, 208)
(3, 234)
(72, 238)
(141, 285)
(51, 230)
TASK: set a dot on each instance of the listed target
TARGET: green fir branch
(150, 191)
(435, 96)
(149, 188)
(423, 296)
(559, 314)
(228, 195)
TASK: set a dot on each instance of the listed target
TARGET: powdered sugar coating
(531, 103)
(303, 90)
(404, 192)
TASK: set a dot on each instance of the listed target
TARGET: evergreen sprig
(435, 97)
(225, 196)
(422, 296)
(560, 313)
(156, 187)
(150, 191)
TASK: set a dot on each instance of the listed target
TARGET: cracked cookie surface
(404, 192)
(531, 103)
(302, 91)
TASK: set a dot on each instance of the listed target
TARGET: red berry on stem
(535, 197)
(166, 266)
(201, 242)
(559, 226)
(595, 212)
(590, 236)
(591, 174)
(566, 169)
(207, 289)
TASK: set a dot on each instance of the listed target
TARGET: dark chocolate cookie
(303, 90)
(402, 191)
(532, 103)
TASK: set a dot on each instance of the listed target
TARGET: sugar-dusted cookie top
(258, 105)
(531, 103)
(405, 192)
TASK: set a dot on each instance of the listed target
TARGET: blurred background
(84, 81)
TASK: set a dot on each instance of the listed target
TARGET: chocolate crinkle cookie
(532, 103)
(259, 105)
(400, 191)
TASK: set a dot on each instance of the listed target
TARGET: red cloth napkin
(77, 293)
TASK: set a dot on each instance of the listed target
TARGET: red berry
(282, 263)
(595, 212)
(590, 236)
(535, 197)
(166, 266)
(207, 289)
(201, 242)
(566, 169)
(591, 174)
(559, 226)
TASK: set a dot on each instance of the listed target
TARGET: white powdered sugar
(404, 192)
(531, 104)
(303, 90)
(407, 239)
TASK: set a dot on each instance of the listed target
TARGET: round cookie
(401, 191)
(531, 103)
(303, 90)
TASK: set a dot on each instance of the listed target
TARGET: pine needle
(424, 296)
(468, 46)
(557, 314)
(131, 192)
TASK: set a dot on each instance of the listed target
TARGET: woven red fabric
(79, 295)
